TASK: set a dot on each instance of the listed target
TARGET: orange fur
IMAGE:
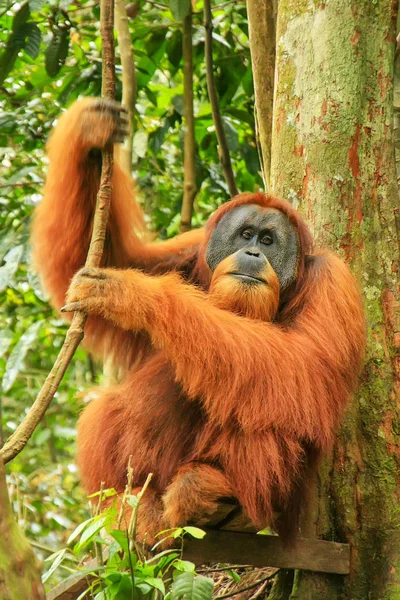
(255, 302)
(63, 224)
(252, 399)
(193, 494)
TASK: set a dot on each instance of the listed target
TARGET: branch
(129, 84)
(223, 149)
(262, 49)
(74, 336)
(189, 169)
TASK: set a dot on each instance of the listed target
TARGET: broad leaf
(16, 359)
(36, 5)
(190, 586)
(6, 337)
(7, 271)
(179, 8)
(57, 52)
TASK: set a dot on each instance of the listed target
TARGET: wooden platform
(232, 539)
(268, 551)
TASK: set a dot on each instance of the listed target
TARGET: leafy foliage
(190, 586)
(128, 571)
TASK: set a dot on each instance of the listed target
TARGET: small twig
(127, 492)
(219, 6)
(229, 568)
(97, 547)
(47, 549)
(74, 336)
(189, 150)
(223, 149)
(260, 591)
(75, 9)
(134, 518)
(157, 5)
(22, 184)
(249, 587)
(131, 567)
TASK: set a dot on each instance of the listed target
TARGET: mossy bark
(333, 158)
(19, 568)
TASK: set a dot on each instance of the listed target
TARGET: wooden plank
(267, 551)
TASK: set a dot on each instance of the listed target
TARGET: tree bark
(129, 84)
(189, 146)
(19, 568)
(262, 44)
(333, 158)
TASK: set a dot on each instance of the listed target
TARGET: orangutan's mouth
(248, 278)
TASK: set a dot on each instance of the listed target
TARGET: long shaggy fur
(234, 403)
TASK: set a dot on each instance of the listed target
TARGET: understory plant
(124, 567)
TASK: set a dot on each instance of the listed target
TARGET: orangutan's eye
(247, 234)
(267, 239)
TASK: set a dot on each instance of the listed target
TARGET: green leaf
(78, 530)
(7, 60)
(174, 48)
(234, 575)
(194, 532)
(15, 42)
(34, 37)
(57, 52)
(155, 44)
(179, 8)
(90, 531)
(6, 336)
(21, 17)
(122, 589)
(58, 558)
(178, 103)
(231, 135)
(190, 586)
(36, 5)
(250, 156)
(12, 260)
(7, 122)
(185, 566)
(42, 436)
(140, 141)
(121, 538)
(242, 115)
(220, 39)
(153, 582)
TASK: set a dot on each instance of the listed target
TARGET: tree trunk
(262, 43)
(333, 158)
(189, 146)
(19, 568)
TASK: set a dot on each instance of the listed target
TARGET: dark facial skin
(259, 234)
